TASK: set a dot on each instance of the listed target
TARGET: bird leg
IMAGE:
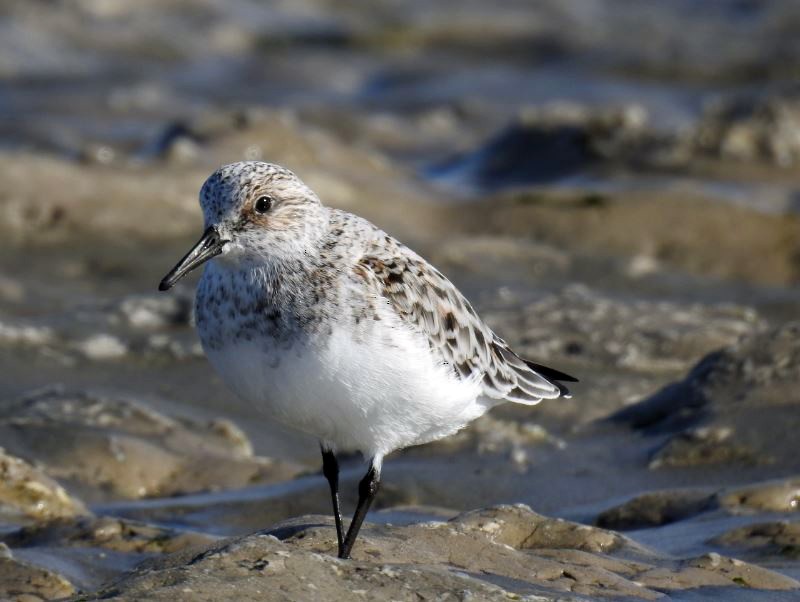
(330, 468)
(367, 488)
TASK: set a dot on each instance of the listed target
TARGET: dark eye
(263, 204)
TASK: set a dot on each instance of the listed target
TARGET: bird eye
(263, 204)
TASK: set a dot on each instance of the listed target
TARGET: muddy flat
(615, 188)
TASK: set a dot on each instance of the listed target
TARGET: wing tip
(550, 373)
(553, 376)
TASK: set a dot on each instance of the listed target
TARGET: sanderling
(333, 327)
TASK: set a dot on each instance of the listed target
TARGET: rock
(117, 448)
(527, 553)
(102, 346)
(175, 141)
(714, 570)
(26, 493)
(522, 529)
(748, 129)
(13, 334)
(22, 582)
(582, 324)
(90, 552)
(261, 567)
(109, 533)
(763, 540)
(782, 495)
(160, 345)
(738, 405)
(704, 445)
(151, 312)
(551, 143)
(135, 327)
(655, 508)
(548, 144)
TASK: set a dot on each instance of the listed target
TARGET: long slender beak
(209, 245)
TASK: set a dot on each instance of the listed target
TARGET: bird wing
(430, 304)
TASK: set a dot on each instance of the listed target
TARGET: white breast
(380, 393)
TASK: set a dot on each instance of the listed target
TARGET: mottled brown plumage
(430, 304)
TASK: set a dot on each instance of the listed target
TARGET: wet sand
(623, 218)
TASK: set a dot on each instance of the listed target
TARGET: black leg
(330, 468)
(367, 489)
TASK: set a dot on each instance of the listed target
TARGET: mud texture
(613, 185)
(470, 555)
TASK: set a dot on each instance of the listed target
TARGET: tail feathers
(553, 375)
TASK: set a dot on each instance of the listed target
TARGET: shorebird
(331, 326)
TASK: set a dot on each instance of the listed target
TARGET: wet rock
(13, 334)
(133, 334)
(715, 570)
(150, 312)
(705, 445)
(175, 141)
(90, 552)
(136, 327)
(149, 327)
(581, 324)
(163, 345)
(656, 508)
(737, 405)
(555, 554)
(258, 566)
(117, 448)
(119, 535)
(548, 144)
(22, 582)
(781, 495)
(763, 540)
(102, 346)
(522, 529)
(762, 129)
(526, 553)
(27, 493)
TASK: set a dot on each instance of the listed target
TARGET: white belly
(375, 396)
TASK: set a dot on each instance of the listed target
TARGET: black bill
(209, 245)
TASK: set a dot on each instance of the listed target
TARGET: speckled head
(253, 211)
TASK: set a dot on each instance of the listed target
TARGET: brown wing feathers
(430, 303)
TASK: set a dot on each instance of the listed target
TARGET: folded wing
(430, 304)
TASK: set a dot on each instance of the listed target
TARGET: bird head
(253, 212)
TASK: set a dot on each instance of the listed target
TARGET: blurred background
(613, 183)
